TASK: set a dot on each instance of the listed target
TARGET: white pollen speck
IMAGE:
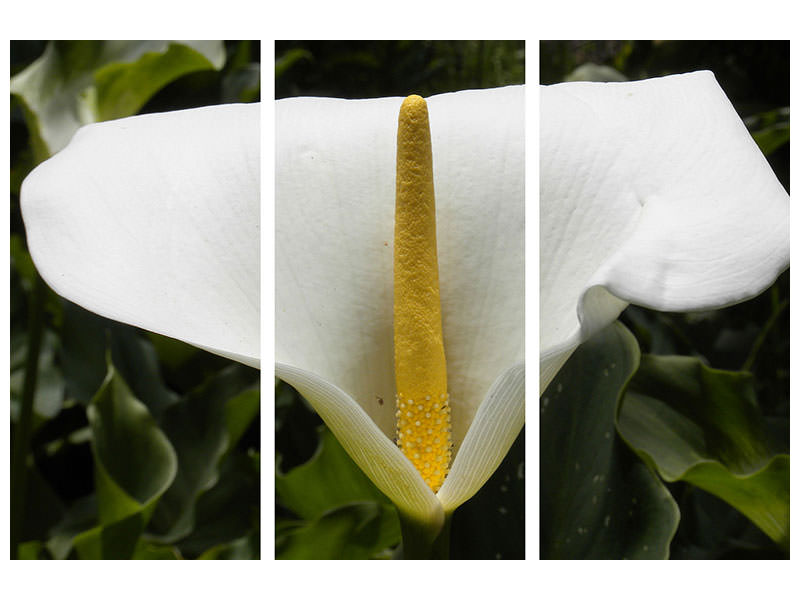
(408, 414)
(429, 431)
(427, 397)
(410, 401)
(417, 423)
(435, 440)
(416, 454)
(427, 415)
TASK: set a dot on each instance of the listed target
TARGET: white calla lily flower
(335, 219)
(653, 193)
(153, 220)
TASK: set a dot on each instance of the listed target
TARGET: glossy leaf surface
(703, 426)
(598, 500)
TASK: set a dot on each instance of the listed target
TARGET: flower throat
(423, 408)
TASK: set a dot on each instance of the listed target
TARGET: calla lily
(153, 220)
(654, 193)
(335, 229)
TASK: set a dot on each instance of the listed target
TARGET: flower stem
(424, 541)
(22, 431)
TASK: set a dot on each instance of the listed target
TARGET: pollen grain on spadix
(423, 408)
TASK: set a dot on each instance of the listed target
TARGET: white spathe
(334, 214)
(153, 220)
(653, 193)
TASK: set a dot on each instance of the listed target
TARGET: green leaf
(245, 548)
(703, 426)
(289, 58)
(770, 129)
(354, 531)
(123, 88)
(229, 510)
(86, 337)
(79, 82)
(147, 551)
(328, 480)
(343, 515)
(770, 138)
(22, 262)
(597, 499)
(198, 429)
(81, 516)
(240, 411)
(30, 550)
(173, 353)
(134, 465)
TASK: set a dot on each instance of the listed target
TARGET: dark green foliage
(720, 415)
(141, 446)
(597, 499)
(372, 69)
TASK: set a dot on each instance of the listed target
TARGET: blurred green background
(201, 406)
(364, 524)
(752, 336)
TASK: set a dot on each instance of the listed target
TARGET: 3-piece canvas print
(416, 188)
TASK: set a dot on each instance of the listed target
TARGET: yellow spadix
(423, 410)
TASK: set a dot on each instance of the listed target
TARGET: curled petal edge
(375, 454)
(497, 424)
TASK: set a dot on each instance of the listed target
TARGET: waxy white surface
(154, 221)
(653, 193)
(335, 188)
